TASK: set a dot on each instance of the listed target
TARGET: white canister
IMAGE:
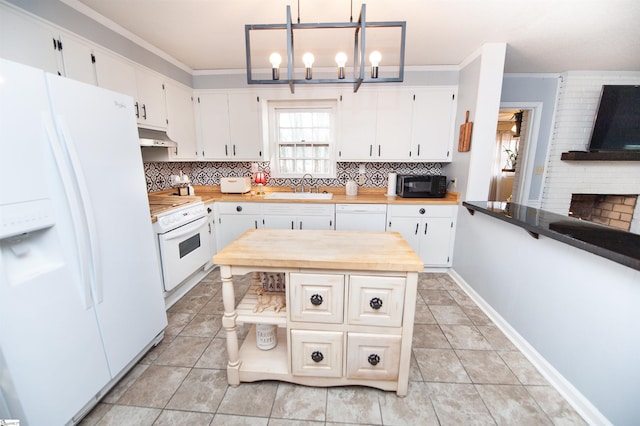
(352, 188)
(266, 336)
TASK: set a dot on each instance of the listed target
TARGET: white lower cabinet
(234, 219)
(429, 230)
(299, 216)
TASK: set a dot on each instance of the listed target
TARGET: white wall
(579, 311)
(479, 93)
(577, 104)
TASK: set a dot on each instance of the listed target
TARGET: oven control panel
(180, 216)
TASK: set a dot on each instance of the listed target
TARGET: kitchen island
(350, 305)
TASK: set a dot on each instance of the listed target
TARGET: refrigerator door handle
(89, 222)
(67, 182)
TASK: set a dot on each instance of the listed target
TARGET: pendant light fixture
(358, 64)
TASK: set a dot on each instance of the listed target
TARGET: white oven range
(183, 246)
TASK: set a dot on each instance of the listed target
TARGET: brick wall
(611, 210)
(577, 105)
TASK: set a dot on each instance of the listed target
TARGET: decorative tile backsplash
(209, 173)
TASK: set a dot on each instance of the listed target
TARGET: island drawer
(373, 356)
(376, 300)
(316, 353)
(316, 298)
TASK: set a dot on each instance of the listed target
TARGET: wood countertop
(209, 193)
(343, 250)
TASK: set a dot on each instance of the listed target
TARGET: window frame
(302, 105)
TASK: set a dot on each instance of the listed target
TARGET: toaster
(235, 185)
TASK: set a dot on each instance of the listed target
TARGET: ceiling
(542, 36)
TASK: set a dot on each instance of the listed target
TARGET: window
(302, 139)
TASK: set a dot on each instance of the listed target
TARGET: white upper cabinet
(152, 103)
(357, 124)
(244, 126)
(229, 126)
(393, 126)
(28, 42)
(181, 127)
(115, 74)
(433, 125)
(78, 60)
(145, 87)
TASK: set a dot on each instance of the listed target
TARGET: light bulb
(275, 60)
(308, 58)
(341, 60)
(375, 58)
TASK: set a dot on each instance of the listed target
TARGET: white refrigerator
(80, 286)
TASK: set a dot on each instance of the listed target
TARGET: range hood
(157, 138)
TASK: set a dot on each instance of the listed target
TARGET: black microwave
(421, 186)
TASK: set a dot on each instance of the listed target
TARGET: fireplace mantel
(601, 156)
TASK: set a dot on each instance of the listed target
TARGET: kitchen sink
(299, 196)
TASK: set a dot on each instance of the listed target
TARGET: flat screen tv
(617, 123)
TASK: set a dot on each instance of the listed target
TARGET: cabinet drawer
(376, 300)
(420, 211)
(239, 208)
(316, 353)
(373, 356)
(316, 298)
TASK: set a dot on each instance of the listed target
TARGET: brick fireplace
(611, 210)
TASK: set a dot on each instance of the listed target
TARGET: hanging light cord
(298, 11)
(351, 15)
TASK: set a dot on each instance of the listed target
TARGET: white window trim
(273, 151)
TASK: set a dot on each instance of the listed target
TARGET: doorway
(516, 136)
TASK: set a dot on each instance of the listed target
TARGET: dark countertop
(614, 244)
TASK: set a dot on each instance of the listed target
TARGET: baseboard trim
(574, 397)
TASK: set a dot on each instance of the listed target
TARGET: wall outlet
(361, 180)
(362, 169)
(254, 168)
(538, 170)
(454, 183)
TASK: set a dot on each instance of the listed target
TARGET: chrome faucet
(303, 179)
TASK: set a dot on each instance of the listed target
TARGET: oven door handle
(185, 229)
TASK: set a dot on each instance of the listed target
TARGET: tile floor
(464, 371)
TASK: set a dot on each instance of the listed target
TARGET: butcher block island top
(346, 315)
(353, 250)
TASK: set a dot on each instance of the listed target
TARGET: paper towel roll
(391, 184)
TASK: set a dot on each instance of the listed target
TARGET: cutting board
(464, 141)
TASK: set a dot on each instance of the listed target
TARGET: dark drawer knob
(317, 356)
(422, 211)
(373, 359)
(238, 208)
(375, 303)
(316, 300)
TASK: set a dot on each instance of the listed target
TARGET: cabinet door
(115, 74)
(244, 126)
(373, 356)
(77, 57)
(152, 102)
(433, 124)
(316, 353)
(316, 298)
(435, 235)
(393, 125)
(324, 223)
(212, 121)
(230, 227)
(181, 127)
(279, 222)
(408, 227)
(27, 42)
(357, 125)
